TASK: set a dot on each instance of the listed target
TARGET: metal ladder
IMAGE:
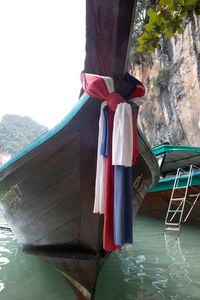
(179, 202)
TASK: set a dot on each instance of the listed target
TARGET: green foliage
(162, 79)
(160, 120)
(17, 132)
(168, 18)
(139, 23)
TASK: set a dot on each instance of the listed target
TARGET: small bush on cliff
(162, 79)
(160, 120)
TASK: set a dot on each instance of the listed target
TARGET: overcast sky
(42, 50)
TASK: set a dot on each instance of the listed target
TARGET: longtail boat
(47, 190)
(172, 158)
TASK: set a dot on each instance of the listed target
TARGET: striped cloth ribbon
(118, 148)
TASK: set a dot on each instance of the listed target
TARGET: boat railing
(189, 175)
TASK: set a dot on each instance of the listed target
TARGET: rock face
(171, 112)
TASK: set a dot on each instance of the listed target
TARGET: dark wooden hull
(47, 197)
(155, 204)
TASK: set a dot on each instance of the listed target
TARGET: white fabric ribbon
(99, 201)
(122, 140)
(122, 145)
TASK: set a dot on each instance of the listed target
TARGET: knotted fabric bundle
(118, 148)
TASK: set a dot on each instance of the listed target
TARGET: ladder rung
(172, 224)
(187, 191)
(172, 229)
(180, 187)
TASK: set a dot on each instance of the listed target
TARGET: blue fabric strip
(123, 231)
(105, 139)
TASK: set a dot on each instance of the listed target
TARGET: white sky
(42, 50)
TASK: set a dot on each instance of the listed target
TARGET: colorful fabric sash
(118, 148)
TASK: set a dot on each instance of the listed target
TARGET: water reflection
(6, 237)
(179, 267)
(155, 267)
(24, 276)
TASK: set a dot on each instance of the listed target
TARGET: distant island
(17, 132)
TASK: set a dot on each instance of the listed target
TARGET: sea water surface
(156, 266)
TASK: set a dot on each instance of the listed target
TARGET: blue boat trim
(58, 128)
(165, 184)
(173, 178)
(49, 133)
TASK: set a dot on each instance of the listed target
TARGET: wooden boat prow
(47, 190)
(47, 194)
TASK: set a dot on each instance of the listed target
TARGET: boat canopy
(172, 157)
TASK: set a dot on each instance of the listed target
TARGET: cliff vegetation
(16, 132)
(171, 75)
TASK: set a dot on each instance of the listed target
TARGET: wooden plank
(91, 224)
(108, 28)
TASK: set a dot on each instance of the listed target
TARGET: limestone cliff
(171, 112)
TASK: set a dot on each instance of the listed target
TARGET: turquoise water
(154, 267)
(26, 277)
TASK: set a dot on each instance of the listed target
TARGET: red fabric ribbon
(139, 91)
(136, 145)
(95, 86)
(113, 100)
(108, 235)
